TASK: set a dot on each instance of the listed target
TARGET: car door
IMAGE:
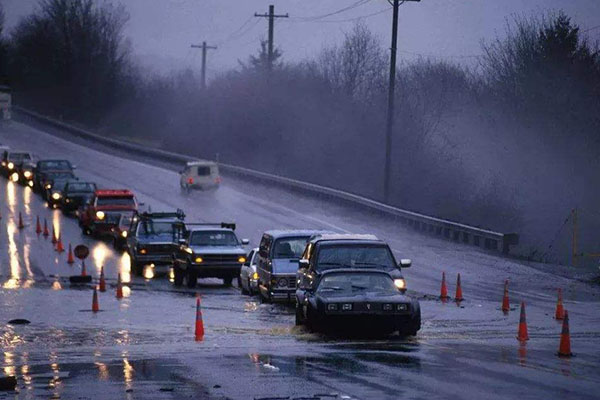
(245, 272)
(264, 250)
(181, 237)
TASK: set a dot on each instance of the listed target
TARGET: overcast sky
(161, 31)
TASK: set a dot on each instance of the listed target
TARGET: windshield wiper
(358, 287)
(372, 264)
(332, 288)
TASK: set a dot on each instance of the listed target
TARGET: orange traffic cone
(522, 335)
(38, 227)
(560, 311)
(102, 283)
(505, 302)
(444, 289)
(83, 272)
(95, 305)
(21, 225)
(54, 238)
(564, 350)
(70, 259)
(459, 296)
(199, 323)
(46, 233)
(119, 287)
(59, 245)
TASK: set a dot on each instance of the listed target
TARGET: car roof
(54, 160)
(282, 233)
(113, 192)
(209, 228)
(200, 162)
(346, 237)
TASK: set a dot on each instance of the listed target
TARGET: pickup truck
(103, 213)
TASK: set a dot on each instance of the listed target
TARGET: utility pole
(271, 15)
(204, 47)
(391, 97)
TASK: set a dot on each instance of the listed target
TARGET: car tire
(192, 278)
(413, 326)
(241, 286)
(138, 268)
(311, 320)
(228, 281)
(250, 290)
(177, 275)
(299, 316)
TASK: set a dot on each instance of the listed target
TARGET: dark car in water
(353, 300)
(44, 168)
(76, 195)
(278, 255)
(151, 240)
(15, 163)
(54, 183)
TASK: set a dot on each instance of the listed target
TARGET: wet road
(142, 346)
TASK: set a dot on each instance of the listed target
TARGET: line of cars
(334, 280)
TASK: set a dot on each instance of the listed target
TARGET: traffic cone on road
(459, 296)
(95, 305)
(199, 322)
(59, 245)
(522, 335)
(560, 311)
(564, 350)
(38, 227)
(21, 225)
(505, 302)
(102, 283)
(46, 233)
(444, 289)
(54, 238)
(83, 272)
(70, 259)
(119, 287)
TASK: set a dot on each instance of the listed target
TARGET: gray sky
(161, 31)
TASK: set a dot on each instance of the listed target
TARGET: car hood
(285, 265)
(165, 238)
(363, 296)
(219, 250)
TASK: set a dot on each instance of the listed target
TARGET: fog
(507, 140)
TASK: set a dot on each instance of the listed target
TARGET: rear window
(19, 157)
(115, 201)
(203, 171)
(55, 164)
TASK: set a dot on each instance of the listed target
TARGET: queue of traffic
(332, 279)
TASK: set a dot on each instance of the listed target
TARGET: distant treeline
(510, 144)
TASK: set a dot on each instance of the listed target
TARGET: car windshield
(115, 201)
(148, 228)
(213, 238)
(55, 164)
(345, 283)
(18, 157)
(289, 247)
(352, 255)
(60, 175)
(81, 187)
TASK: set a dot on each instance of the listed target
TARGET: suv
(278, 255)
(76, 195)
(331, 251)
(151, 240)
(44, 168)
(207, 251)
(101, 216)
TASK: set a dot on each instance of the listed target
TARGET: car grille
(112, 218)
(220, 258)
(290, 282)
(159, 248)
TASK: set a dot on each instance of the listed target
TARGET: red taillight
(190, 181)
(218, 179)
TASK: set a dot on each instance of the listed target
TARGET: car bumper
(366, 322)
(156, 259)
(216, 271)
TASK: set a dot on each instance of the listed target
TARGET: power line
(337, 21)
(339, 11)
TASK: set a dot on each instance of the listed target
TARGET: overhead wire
(339, 11)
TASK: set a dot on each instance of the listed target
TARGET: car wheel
(413, 326)
(241, 286)
(177, 275)
(228, 281)
(192, 278)
(299, 319)
(250, 290)
(138, 268)
(311, 319)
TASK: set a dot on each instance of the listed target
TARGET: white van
(200, 175)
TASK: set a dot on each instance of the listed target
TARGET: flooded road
(142, 346)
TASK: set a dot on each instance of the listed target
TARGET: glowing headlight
(56, 195)
(242, 260)
(30, 183)
(48, 186)
(188, 250)
(143, 251)
(255, 276)
(400, 283)
(27, 174)
(100, 214)
(14, 177)
(124, 234)
(10, 165)
(198, 260)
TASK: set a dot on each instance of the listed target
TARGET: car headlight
(347, 307)
(255, 276)
(10, 165)
(14, 177)
(124, 234)
(400, 283)
(48, 186)
(27, 174)
(242, 259)
(188, 250)
(143, 251)
(100, 215)
(402, 307)
(198, 260)
(56, 195)
(332, 307)
(30, 183)
(388, 307)
(282, 282)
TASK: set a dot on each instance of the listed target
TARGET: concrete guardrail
(454, 231)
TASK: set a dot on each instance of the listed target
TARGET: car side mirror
(245, 241)
(405, 263)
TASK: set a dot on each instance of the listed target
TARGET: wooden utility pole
(271, 16)
(204, 48)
